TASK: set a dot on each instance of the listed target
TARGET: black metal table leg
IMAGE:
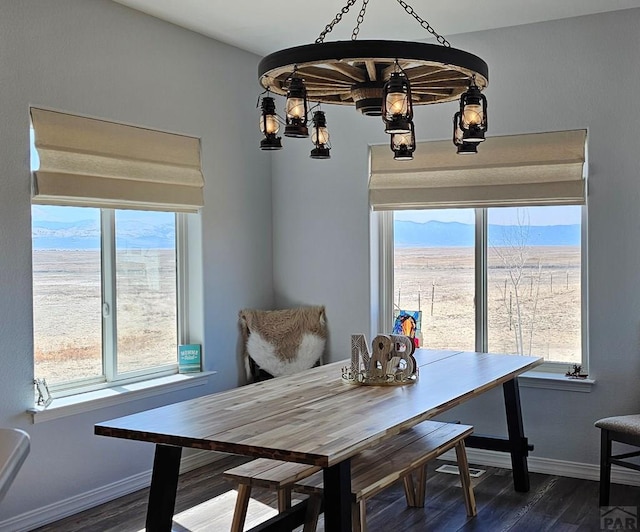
(337, 497)
(518, 445)
(164, 483)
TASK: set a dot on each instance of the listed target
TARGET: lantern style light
(403, 145)
(320, 137)
(473, 114)
(296, 108)
(464, 147)
(385, 78)
(269, 125)
(397, 109)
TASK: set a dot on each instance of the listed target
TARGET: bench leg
(421, 490)
(409, 490)
(284, 498)
(242, 503)
(314, 504)
(359, 516)
(465, 479)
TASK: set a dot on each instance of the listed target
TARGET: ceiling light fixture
(397, 108)
(320, 137)
(473, 114)
(269, 125)
(403, 145)
(464, 147)
(379, 77)
(296, 107)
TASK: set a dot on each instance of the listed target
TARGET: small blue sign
(189, 358)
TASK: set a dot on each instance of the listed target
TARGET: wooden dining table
(315, 418)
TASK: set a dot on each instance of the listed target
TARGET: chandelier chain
(335, 21)
(360, 19)
(424, 23)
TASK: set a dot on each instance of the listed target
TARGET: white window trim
(116, 395)
(548, 375)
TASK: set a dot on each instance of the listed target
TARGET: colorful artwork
(408, 323)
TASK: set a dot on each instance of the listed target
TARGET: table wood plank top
(314, 417)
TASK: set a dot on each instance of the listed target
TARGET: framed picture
(408, 323)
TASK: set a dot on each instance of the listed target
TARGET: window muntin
(105, 299)
(515, 238)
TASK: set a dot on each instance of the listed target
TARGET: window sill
(106, 397)
(554, 381)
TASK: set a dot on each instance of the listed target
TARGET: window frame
(110, 377)
(385, 246)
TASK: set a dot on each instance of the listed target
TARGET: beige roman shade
(95, 163)
(509, 171)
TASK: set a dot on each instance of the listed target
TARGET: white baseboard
(73, 505)
(549, 466)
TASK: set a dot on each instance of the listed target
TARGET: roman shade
(96, 163)
(508, 171)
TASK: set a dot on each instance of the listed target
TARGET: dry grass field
(68, 306)
(68, 312)
(441, 282)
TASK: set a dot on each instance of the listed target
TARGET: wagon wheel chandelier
(381, 78)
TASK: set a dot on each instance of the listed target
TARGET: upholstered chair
(622, 429)
(282, 342)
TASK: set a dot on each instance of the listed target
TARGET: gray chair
(14, 448)
(623, 429)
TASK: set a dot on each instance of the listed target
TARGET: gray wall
(567, 74)
(98, 58)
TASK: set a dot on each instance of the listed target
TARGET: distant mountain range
(455, 234)
(85, 234)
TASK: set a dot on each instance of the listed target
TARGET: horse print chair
(282, 342)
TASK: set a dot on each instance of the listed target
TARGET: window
(529, 287)
(534, 282)
(488, 251)
(434, 273)
(104, 294)
(109, 208)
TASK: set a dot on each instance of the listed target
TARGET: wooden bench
(396, 459)
(372, 471)
(265, 473)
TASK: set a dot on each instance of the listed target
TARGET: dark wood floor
(553, 503)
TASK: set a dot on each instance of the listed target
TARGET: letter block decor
(390, 362)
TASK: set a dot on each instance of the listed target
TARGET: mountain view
(456, 234)
(85, 234)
